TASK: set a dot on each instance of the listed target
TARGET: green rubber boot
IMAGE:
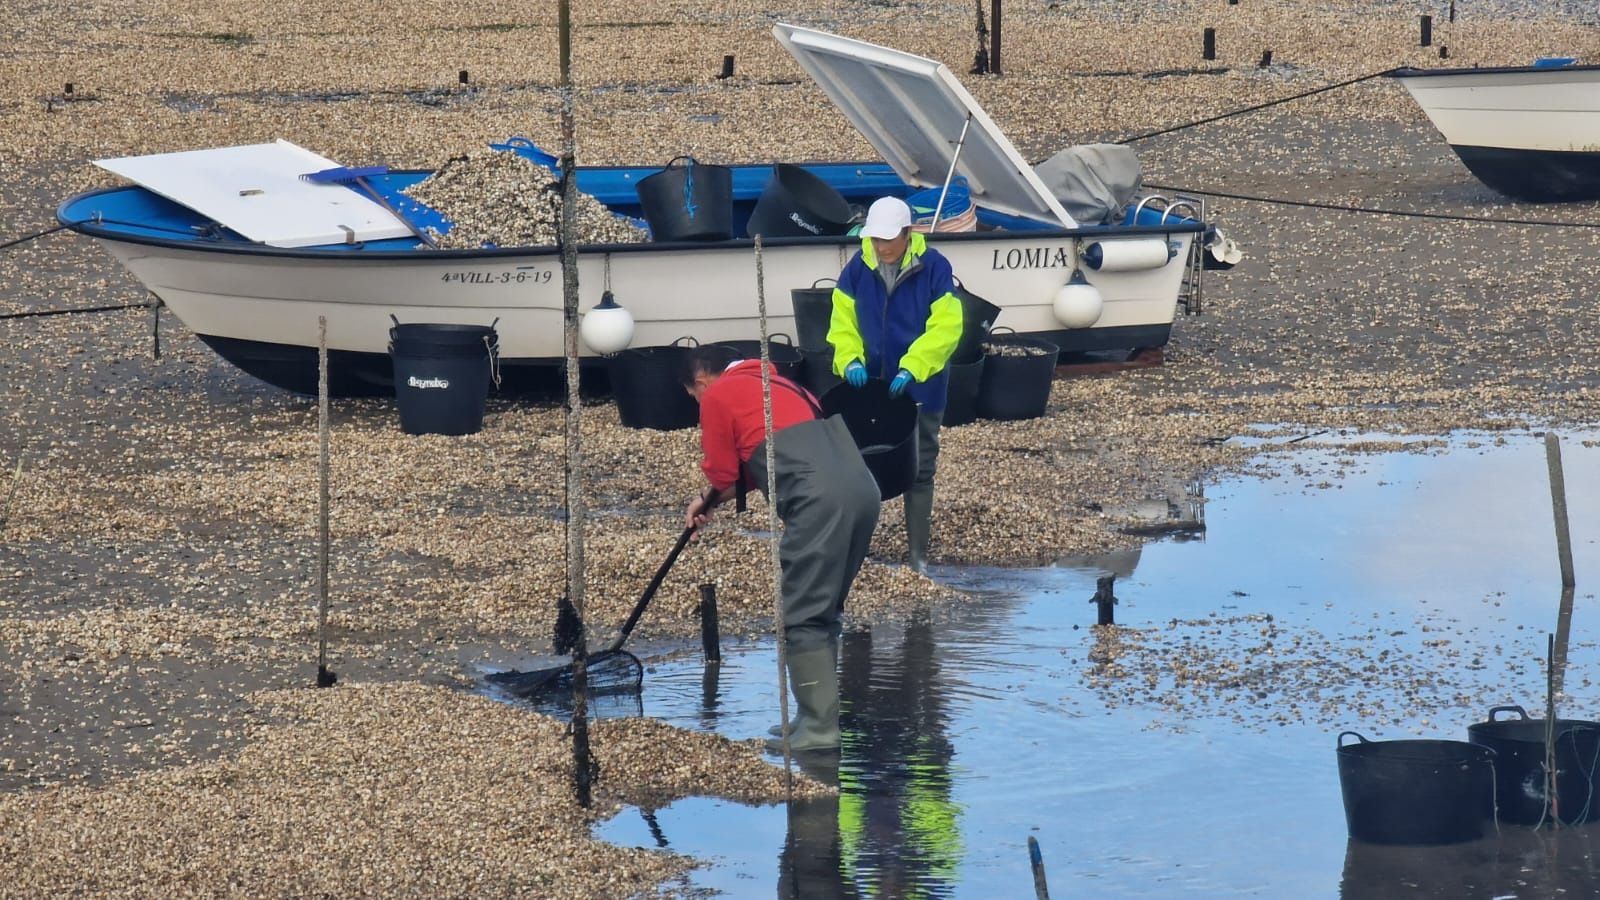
(814, 681)
(919, 526)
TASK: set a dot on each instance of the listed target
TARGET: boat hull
(1531, 133)
(260, 311)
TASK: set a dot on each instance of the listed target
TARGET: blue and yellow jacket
(915, 328)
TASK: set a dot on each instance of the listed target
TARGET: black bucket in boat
(645, 382)
(689, 202)
(442, 374)
(884, 429)
(813, 311)
(817, 371)
(961, 402)
(1520, 766)
(977, 318)
(785, 356)
(1016, 376)
(1417, 791)
(796, 203)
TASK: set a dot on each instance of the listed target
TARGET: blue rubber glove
(898, 385)
(856, 374)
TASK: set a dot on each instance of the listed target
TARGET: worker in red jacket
(827, 500)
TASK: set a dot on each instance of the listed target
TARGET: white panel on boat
(256, 190)
(912, 109)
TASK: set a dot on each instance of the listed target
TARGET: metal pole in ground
(583, 763)
(772, 518)
(1558, 503)
(325, 676)
(710, 630)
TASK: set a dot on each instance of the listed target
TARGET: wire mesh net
(614, 676)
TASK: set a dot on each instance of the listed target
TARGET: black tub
(785, 356)
(689, 202)
(961, 403)
(1519, 766)
(813, 311)
(977, 319)
(644, 381)
(884, 428)
(441, 375)
(817, 371)
(796, 203)
(1416, 792)
(1016, 387)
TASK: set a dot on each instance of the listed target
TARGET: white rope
(772, 517)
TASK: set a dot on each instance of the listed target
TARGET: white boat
(248, 256)
(1529, 132)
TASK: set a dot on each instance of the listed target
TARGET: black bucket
(977, 318)
(1519, 766)
(796, 203)
(442, 374)
(813, 312)
(817, 371)
(785, 356)
(884, 429)
(645, 382)
(1016, 386)
(961, 402)
(1416, 792)
(691, 202)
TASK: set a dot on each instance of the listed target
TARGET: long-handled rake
(611, 671)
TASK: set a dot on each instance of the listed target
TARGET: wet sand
(158, 554)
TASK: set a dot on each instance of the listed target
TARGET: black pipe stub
(727, 67)
(1104, 599)
(326, 677)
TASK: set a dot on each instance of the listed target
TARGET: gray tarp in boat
(1095, 182)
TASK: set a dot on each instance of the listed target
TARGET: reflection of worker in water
(896, 317)
(827, 500)
(893, 829)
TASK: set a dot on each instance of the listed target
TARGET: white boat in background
(248, 256)
(1529, 132)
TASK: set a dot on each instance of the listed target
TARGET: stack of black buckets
(1417, 792)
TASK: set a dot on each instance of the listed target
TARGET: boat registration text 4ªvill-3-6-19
(520, 276)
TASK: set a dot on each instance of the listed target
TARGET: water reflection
(1520, 862)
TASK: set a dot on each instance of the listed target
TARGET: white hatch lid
(256, 190)
(912, 110)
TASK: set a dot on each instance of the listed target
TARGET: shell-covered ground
(158, 542)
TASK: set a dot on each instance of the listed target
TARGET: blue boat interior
(136, 212)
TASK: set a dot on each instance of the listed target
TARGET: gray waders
(919, 498)
(828, 502)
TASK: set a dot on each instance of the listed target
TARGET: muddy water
(1397, 595)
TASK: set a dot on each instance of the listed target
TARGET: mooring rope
(1371, 210)
(37, 234)
(41, 313)
(772, 519)
(1256, 107)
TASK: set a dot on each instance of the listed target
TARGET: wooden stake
(1209, 44)
(325, 676)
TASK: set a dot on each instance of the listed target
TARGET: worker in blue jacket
(896, 317)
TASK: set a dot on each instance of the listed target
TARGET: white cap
(886, 218)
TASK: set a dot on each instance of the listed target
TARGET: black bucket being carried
(1520, 766)
(817, 371)
(1416, 792)
(884, 429)
(442, 374)
(977, 319)
(645, 382)
(1017, 375)
(813, 312)
(781, 350)
(689, 202)
(796, 203)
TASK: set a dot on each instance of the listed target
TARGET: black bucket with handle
(1017, 375)
(813, 311)
(961, 401)
(1416, 791)
(977, 320)
(645, 382)
(781, 350)
(1519, 749)
(442, 373)
(796, 203)
(884, 429)
(688, 202)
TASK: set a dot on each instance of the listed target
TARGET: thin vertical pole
(582, 761)
(710, 630)
(772, 518)
(1558, 504)
(994, 38)
(1041, 890)
(325, 678)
